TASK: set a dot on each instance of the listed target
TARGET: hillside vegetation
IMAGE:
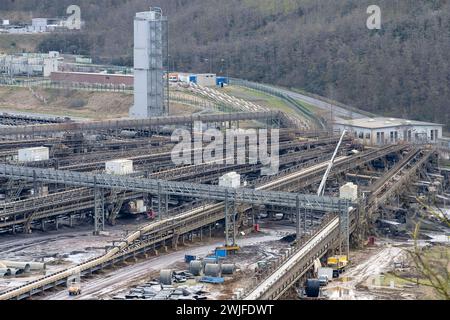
(320, 46)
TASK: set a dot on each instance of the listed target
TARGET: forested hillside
(321, 46)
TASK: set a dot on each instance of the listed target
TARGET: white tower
(149, 47)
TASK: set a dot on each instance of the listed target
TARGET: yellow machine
(229, 249)
(74, 285)
(74, 290)
(338, 264)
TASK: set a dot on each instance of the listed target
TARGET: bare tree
(431, 271)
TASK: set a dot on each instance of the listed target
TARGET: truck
(338, 264)
(323, 280)
(325, 275)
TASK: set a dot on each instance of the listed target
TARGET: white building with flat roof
(39, 24)
(382, 131)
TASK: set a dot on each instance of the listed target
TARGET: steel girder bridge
(162, 187)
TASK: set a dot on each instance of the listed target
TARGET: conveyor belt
(123, 248)
(290, 269)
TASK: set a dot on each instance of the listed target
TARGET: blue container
(221, 80)
(193, 79)
(189, 258)
(221, 253)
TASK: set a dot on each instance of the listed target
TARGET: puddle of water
(344, 279)
(340, 293)
(379, 281)
(439, 238)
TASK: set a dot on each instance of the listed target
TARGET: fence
(308, 114)
(174, 96)
(61, 85)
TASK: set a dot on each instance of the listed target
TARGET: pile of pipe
(155, 290)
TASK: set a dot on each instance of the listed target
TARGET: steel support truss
(200, 191)
(230, 219)
(344, 235)
(99, 208)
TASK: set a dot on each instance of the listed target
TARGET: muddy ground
(381, 272)
(370, 275)
(117, 282)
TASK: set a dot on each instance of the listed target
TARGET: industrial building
(205, 79)
(201, 79)
(150, 45)
(383, 131)
(37, 25)
(93, 78)
(35, 64)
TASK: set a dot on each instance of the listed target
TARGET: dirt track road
(365, 274)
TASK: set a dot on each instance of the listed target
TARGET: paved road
(338, 112)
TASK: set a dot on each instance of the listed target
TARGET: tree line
(320, 46)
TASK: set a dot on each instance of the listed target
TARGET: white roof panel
(381, 122)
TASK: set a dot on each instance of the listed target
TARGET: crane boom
(321, 190)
